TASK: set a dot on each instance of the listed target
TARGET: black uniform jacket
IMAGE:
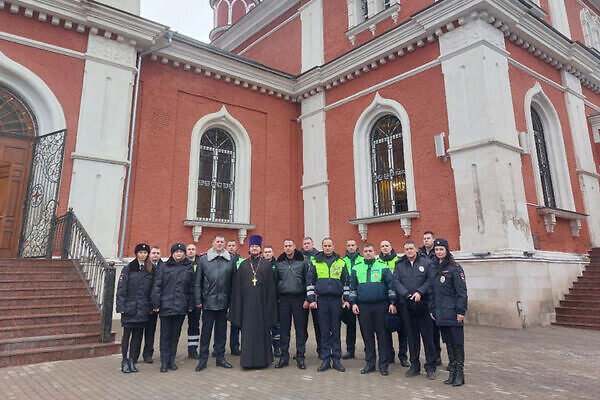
(173, 287)
(290, 274)
(449, 293)
(409, 279)
(214, 277)
(133, 293)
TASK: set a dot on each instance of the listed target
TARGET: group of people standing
(416, 295)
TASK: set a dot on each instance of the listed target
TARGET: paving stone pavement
(539, 363)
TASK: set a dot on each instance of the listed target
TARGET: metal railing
(71, 241)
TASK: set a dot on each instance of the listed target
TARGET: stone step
(577, 311)
(582, 297)
(34, 262)
(50, 329)
(580, 303)
(578, 325)
(591, 274)
(34, 292)
(62, 300)
(34, 342)
(32, 276)
(74, 282)
(579, 319)
(586, 284)
(23, 310)
(44, 319)
(584, 291)
(70, 352)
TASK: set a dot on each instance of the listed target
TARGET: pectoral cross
(254, 280)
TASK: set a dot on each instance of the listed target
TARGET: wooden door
(15, 160)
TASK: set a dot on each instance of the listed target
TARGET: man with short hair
(327, 290)
(412, 277)
(234, 331)
(428, 250)
(150, 327)
(275, 333)
(193, 317)
(212, 292)
(309, 251)
(351, 258)
(290, 278)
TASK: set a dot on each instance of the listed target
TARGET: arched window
(216, 176)
(543, 159)
(387, 167)
(15, 116)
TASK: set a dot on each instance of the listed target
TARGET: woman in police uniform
(447, 306)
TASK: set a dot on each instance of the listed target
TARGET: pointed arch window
(543, 159)
(387, 166)
(15, 116)
(216, 176)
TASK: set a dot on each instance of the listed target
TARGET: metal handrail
(72, 241)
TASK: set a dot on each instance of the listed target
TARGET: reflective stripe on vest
(376, 271)
(239, 262)
(325, 272)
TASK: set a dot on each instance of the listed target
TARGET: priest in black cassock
(253, 306)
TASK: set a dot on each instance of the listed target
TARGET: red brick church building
(363, 119)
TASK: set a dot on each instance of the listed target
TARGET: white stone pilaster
(315, 182)
(483, 139)
(584, 157)
(311, 15)
(100, 156)
(558, 16)
(131, 6)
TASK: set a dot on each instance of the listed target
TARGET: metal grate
(387, 165)
(15, 116)
(543, 160)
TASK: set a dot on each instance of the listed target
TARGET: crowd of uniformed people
(420, 295)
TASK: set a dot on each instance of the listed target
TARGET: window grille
(15, 116)
(543, 160)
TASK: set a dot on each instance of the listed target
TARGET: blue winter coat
(172, 292)
(448, 296)
(133, 294)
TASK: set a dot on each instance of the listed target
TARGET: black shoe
(384, 372)
(173, 366)
(125, 367)
(132, 366)
(337, 365)
(223, 364)
(412, 372)
(277, 352)
(451, 364)
(193, 353)
(282, 363)
(164, 367)
(368, 369)
(201, 365)
(460, 365)
(348, 356)
(148, 359)
(235, 352)
(404, 363)
(325, 365)
(300, 363)
(431, 375)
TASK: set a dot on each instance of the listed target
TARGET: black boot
(460, 365)
(132, 365)
(451, 364)
(172, 365)
(193, 352)
(164, 366)
(125, 366)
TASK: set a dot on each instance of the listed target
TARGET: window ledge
(370, 23)
(550, 214)
(199, 224)
(405, 219)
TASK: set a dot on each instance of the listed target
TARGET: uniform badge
(442, 279)
(375, 275)
(337, 272)
(462, 276)
(422, 268)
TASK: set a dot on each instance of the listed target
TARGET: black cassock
(254, 308)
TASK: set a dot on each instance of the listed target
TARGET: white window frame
(590, 23)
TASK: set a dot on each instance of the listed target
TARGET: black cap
(177, 246)
(441, 242)
(142, 247)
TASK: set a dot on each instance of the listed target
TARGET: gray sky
(193, 18)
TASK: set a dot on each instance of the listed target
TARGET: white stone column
(100, 156)
(584, 157)
(484, 149)
(315, 182)
(558, 16)
(311, 15)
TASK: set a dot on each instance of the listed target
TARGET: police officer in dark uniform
(150, 327)
(172, 297)
(308, 251)
(193, 317)
(327, 290)
(234, 331)
(448, 305)
(351, 258)
(412, 277)
(428, 251)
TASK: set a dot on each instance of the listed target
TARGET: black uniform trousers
(435, 331)
(149, 333)
(193, 330)
(395, 323)
(290, 307)
(372, 322)
(234, 337)
(170, 329)
(419, 327)
(330, 314)
(218, 320)
(349, 318)
(317, 329)
(131, 342)
(453, 335)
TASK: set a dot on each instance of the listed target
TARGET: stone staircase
(581, 306)
(47, 314)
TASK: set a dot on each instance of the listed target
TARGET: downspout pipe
(141, 55)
